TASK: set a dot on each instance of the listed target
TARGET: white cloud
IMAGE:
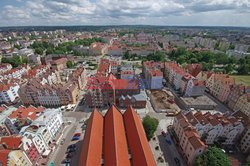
(68, 12)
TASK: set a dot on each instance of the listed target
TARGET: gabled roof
(137, 140)
(23, 112)
(4, 156)
(11, 142)
(115, 142)
(91, 153)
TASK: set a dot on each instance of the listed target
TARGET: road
(220, 106)
(59, 153)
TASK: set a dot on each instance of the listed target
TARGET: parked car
(75, 138)
(67, 160)
(71, 150)
(168, 141)
(69, 155)
(71, 146)
(77, 134)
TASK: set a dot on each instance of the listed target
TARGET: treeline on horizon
(105, 27)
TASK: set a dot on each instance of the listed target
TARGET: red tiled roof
(2, 109)
(105, 140)
(115, 143)
(120, 84)
(156, 73)
(196, 142)
(23, 112)
(91, 153)
(139, 147)
(6, 87)
(4, 156)
(194, 69)
(11, 142)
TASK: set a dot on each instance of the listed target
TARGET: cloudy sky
(121, 12)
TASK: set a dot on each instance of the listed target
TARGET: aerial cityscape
(124, 83)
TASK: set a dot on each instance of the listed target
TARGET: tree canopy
(150, 125)
(62, 48)
(213, 157)
(209, 60)
(15, 61)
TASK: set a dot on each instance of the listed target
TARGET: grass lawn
(244, 79)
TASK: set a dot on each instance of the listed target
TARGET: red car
(77, 134)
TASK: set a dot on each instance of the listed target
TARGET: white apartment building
(8, 93)
(245, 141)
(216, 127)
(4, 67)
(195, 88)
(156, 79)
(14, 73)
(52, 119)
(40, 137)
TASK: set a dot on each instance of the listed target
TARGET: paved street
(59, 153)
(220, 106)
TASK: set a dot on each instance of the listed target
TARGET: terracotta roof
(23, 112)
(120, 84)
(196, 142)
(105, 140)
(11, 142)
(194, 69)
(2, 109)
(115, 143)
(155, 73)
(137, 140)
(6, 87)
(4, 156)
(191, 118)
(91, 153)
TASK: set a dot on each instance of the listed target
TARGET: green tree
(39, 50)
(15, 61)
(150, 125)
(157, 56)
(232, 46)
(229, 68)
(213, 157)
(70, 64)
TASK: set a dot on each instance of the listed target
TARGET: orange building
(115, 139)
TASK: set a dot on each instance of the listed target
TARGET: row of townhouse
(184, 79)
(205, 129)
(37, 93)
(9, 87)
(8, 92)
(192, 81)
(244, 142)
(224, 88)
(15, 73)
(104, 91)
(153, 74)
(32, 141)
